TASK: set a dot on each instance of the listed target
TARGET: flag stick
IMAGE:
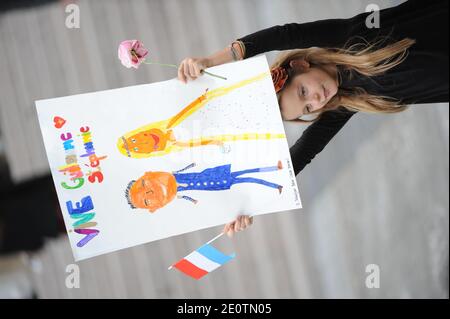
(209, 242)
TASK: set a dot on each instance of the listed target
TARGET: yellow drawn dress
(157, 139)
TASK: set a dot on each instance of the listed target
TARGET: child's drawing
(155, 190)
(91, 175)
(158, 138)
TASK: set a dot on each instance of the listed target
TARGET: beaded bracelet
(241, 44)
(234, 53)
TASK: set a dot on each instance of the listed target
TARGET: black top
(421, 78)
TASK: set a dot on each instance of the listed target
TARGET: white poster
(142, 163)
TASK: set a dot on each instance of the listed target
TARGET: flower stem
(176, 66)
(217, 76)
(163, 64)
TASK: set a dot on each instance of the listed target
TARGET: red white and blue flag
(202, 261)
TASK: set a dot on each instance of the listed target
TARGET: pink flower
(132, 53)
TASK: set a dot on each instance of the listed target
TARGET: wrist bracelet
(242, 46)
(234, 54)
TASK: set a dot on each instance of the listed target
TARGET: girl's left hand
(241, 223)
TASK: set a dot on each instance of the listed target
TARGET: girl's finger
(180, 73)
(230, 226)
(197, 70)
(192, 71)
(237, 225)
(246, 221)
(186, 71)
(242, 223)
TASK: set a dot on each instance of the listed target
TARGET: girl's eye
(303, 91)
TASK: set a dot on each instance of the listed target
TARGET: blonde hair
(360, 57)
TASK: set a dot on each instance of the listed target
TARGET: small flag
(202, 261)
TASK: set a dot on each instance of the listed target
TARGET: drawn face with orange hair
(147, 141)
(152, 191)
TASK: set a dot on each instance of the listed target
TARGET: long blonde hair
(360, 57)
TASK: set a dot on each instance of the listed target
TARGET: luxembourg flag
(202, 261)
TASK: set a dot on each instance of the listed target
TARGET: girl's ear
(300, 64)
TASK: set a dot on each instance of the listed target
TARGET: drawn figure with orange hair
(155, 190)
(158, 138)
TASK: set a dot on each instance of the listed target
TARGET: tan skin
(308, 91)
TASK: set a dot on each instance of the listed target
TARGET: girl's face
(308, 91)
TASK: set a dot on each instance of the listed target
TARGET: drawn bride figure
(157, 139)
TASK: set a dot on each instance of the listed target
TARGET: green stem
(163, 64)
(217, 76)
(176, 66)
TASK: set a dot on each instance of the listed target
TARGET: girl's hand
(241, 223)
(191, 68)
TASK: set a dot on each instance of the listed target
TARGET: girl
(337, 67)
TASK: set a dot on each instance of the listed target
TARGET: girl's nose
(315, 100)
(317, 97)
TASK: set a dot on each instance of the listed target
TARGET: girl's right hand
(191, 68)
(240, 223)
